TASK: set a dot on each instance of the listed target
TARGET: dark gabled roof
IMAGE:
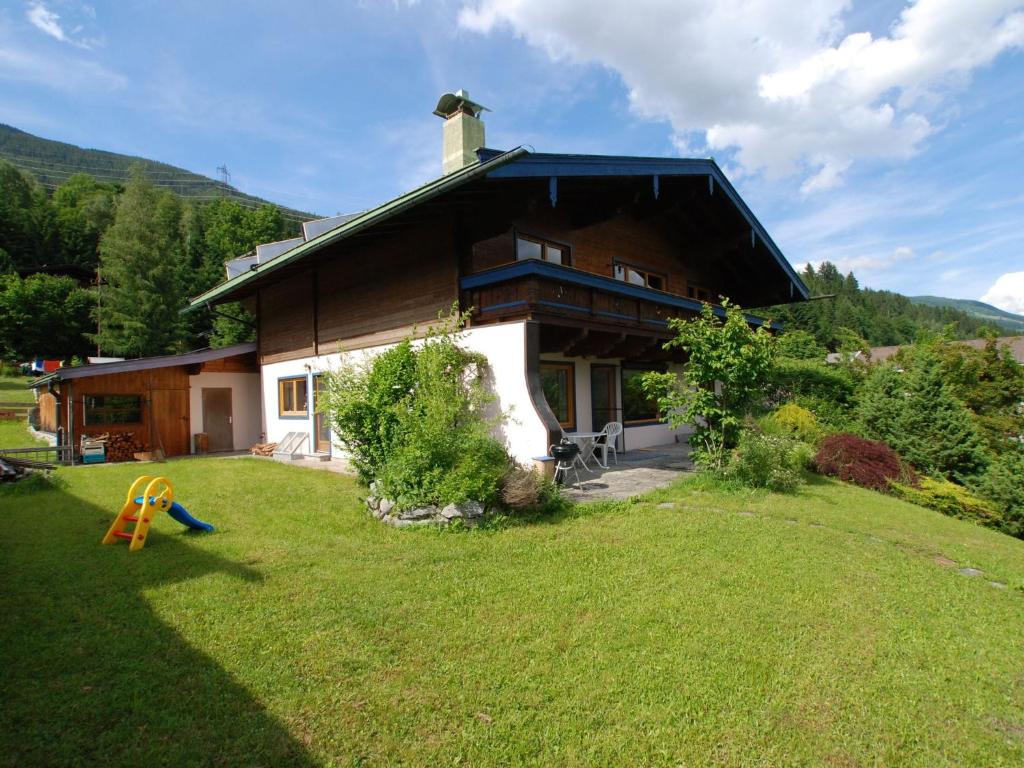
(521, 164)
(359, 223)
(144, 363)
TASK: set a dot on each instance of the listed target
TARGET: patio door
(604, 401)
(322, 432)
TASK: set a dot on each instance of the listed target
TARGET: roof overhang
(144, 364)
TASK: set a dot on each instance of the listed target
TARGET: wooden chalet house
(571, 265)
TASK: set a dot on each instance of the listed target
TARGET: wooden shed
(160, 402)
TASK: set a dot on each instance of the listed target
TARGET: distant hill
(978, 309)
(52, 162)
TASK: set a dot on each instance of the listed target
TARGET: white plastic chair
(606, 443)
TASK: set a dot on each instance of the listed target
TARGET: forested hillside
(52, 163)
(96, 267)
(993, 315)
(879, 317)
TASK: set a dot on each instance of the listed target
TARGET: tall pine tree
(142, 289)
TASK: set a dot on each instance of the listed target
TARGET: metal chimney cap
(453, 103)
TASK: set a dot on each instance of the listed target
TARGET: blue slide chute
(181, 514)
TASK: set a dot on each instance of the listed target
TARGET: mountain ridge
(52, 162)
(975, 308)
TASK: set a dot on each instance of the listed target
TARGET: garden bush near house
(867, 463)
(768, 461)
(951, 499)
(828, 391)
(414, 419)
(362, 403)
(793, 421)
(729, 363)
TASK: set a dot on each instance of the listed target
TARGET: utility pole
(225, 174)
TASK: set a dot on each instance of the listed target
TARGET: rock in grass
(386, 505)
(420, 513)
(467, 510)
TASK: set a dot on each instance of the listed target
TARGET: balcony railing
(539, 287)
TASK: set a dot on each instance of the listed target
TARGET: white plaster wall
(276, 426)
(246, 406)
(505, 347)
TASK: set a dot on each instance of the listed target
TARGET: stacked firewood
(121, 446)
(263, 449)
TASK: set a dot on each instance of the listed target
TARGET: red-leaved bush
(868, 463)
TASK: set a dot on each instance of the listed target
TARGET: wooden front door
(604, 404)
(323, 432)
(168, 421)
(217, 418)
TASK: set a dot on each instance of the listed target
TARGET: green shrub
(414, 419)
(828, 391)
(726, 371)
(916, 413)
(1003, 485)
(951, 499)
(362, 403)
(768, 461)
(796, 421)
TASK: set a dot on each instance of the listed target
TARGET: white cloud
(48, 22)
(60, 70)
(786, 88)
(1007, 293)
(45, 20)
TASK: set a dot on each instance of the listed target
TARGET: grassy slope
(303, 633)
(14, 433)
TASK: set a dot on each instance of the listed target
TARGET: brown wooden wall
(364, 295)
(286, 319)
(645, 243)
(165, 406)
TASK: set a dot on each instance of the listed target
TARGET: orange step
(123, 535)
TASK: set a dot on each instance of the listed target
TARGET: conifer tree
(917, 414)
(142, 292)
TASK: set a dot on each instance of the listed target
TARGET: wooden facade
(164, 417)
(373, 294)
(375, 288)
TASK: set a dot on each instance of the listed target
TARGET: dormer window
(638, 276)
(534, 248)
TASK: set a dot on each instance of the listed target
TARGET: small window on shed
(112, 409)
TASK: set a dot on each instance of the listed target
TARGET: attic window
(535, 248)
(697, 292)
(638, 276)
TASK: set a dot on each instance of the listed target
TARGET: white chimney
(463, 130)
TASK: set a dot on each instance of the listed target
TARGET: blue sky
(887, 137)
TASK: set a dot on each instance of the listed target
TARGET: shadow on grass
(92, 676)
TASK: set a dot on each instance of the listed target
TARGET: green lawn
(731, 629)
(14, 432)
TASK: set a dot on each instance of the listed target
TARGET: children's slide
(181, 514)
